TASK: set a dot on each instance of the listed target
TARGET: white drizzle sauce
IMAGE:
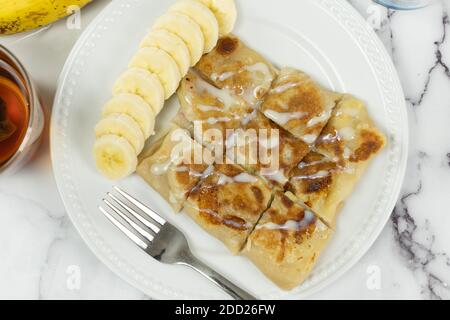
(222, 76)
(245, 178)
(323, 117)
(223, 95)
(302, 164)
(318, 175)
(309, 138)
(284, 87)
(277, 176)
(207, 172)
(192, 173)
(158, 169)
(224, 179)
(240, 178)
(206, 108)
(251, 97)
(213, 120)
(265, 82)
(329, 138)
(283, 117)
(291, 225)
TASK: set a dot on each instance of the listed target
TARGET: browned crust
(371, 145)
(227, 45)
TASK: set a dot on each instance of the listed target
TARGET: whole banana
(22, 15)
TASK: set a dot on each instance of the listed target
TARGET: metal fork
(160, 239)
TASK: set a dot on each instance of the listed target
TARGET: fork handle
(220, 281)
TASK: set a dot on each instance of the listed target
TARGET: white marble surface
(42, 256)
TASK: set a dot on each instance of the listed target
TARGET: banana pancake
(327, 176)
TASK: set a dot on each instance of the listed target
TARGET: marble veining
(418, 249)
(43, 257)
(439, 63)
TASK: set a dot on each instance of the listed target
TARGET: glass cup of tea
(21, 114)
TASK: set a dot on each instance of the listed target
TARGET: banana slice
(114, 157)
(203, 16)
(225, 12)
(122, 126)
(135, 107)
(160, 63)
(144, 84)
(187, 29)
(172, 44)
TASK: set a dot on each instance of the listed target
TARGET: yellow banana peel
(23, 15)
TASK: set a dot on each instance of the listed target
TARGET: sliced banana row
(177, 41)
(225, 12)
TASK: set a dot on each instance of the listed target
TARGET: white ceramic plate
(326, 38)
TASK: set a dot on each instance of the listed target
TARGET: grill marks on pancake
(372, 144)
(209, 206)
(307, 99)
(282, 210)
(306, 175)
(227, 45)
(217, 202)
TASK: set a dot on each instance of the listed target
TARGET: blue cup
(404, 4)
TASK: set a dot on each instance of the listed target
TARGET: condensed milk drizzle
(283, 118)
(240, 178)
(291, 225)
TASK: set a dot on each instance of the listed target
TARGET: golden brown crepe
(207, 111)
(223, 91)
(299, 105)
(326, 177)
(236, 68)
(309, 141)
(174, 165)
(228, 203)
(287, 241)
(267, 150)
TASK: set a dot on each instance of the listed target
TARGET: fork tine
(138, 204)
(138, 218)
(127, 230)
(142, 229)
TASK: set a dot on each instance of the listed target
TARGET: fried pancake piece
(299, 105)
(214, 118)
(207, 112)
(320, 184)
(287, 241)
(234, 67)
(174, 165)
(266, 149)
(326, 177)
(228, 203)
(350, 137)
(223, 92)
